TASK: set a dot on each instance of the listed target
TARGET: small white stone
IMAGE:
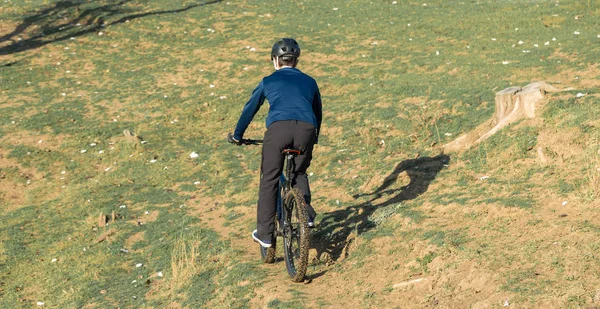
(160, 273)
(579, 95)
(83, 151)
(123, 206)
(547, 43)
(565, 203)
(138, 265)
(53, 260)
(576, 33)
(40, 303)
(335, 9)
(493, 39)
(152, 161)
(505, 62)
(520, 42)
(193, 155)
(197, 182)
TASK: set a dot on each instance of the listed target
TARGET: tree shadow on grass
(332, 236)
(73, 18)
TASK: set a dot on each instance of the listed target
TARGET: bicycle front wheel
(296, 234)
(268, 254)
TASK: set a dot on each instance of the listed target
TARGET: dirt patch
(41, 141)
(148, 217)
(15, 182)
(133, 239)
(12, 196)
(214, 213)
(579, 79)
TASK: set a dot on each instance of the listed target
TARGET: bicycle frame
(285, 184)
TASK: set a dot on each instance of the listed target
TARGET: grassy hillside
(93, 217)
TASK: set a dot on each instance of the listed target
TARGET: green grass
(75, 74)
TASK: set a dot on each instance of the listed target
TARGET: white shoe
(264, 244)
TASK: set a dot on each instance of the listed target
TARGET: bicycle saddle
(288, 151)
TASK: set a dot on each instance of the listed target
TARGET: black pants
(279, 136)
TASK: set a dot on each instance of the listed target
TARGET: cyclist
(293, 121)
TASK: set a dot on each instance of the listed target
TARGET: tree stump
(102, 220)
(505, 101)
(512, 104)
(131, 137)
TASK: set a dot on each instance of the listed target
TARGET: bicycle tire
(296, 235)
(268, 254)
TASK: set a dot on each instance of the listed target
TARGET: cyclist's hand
(232, 140)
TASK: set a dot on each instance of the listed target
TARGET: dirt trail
(277, 284)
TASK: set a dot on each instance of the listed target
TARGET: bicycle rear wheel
(296, 235)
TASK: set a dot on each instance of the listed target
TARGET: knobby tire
(296, 238)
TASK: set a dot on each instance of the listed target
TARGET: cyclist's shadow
(336, 230)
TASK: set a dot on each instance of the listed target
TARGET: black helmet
(287, 47)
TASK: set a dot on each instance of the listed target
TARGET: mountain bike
(291, 220)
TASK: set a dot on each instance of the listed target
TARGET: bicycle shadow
(333, 235)
(52, 25)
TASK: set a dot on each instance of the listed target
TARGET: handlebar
(251, 141)
(243, 141)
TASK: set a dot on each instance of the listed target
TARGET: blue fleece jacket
(292, 95)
